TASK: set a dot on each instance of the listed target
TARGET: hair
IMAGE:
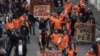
(70, 46)
(17, 31)
(74, 45)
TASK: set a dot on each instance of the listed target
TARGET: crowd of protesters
(63, 23)
(17, 24)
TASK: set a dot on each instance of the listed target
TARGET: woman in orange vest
(42, 38)
(72, 50)
(77, 9)
(22, 18)
(68, 27)
(68, 8)
(57, 24)
(64, 43)
(90, 53)
(56, 37)
(63, 18)
(9, 25)
(16, 23)
(27, 23)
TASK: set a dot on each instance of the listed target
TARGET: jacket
(24, 50)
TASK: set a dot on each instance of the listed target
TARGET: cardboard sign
(49, 53)
(85, 33)
(41, 11)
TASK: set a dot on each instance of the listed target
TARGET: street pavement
(82, 49)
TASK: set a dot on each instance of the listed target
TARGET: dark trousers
(2, 55)
(20, 55)
(51, 29)
(25, 39)
(9, 52)
(33, 28)
(64, 52)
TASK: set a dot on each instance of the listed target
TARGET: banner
(49, 53)
(85, 33)
(41, 10)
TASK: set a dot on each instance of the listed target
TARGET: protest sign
(85, 33)
(49, 53)
(42, 11)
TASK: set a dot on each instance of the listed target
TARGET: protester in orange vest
(57, 24)
(9, 25)
(90, 53)
(42, 38)
(63, 18)
(16, 23)
(56, 37)
(48, 38)
(68, 8)
(27, 22)
(68, 27)
(72, 50)
(22, 18)
(64, 43)
(77, 9)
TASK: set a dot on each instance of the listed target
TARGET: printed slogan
(41, 10)
(49, 53)
(85, 33)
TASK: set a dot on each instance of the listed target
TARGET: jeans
(64, 52)
(40, 31)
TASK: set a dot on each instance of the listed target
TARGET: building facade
(95, 3)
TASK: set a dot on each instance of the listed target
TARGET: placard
(42, 11)
(85, 33)
(49, 53)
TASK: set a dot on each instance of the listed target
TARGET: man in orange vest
(65, 41)
(77, 9)
(68, 8)
(90, 53)
(56, 39)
